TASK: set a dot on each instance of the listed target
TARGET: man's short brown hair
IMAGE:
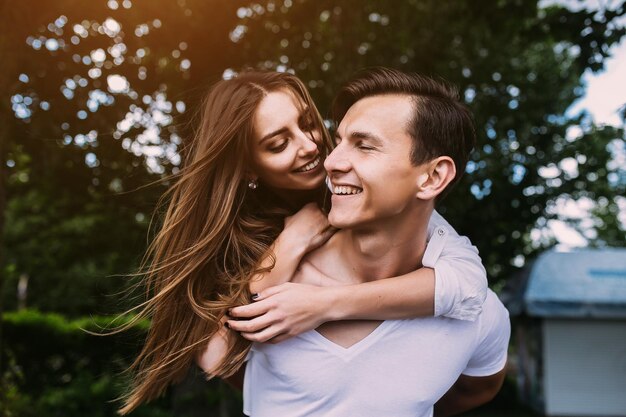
(441, 124)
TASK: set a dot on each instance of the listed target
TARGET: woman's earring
(252, 184)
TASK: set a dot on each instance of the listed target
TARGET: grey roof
(581, 283)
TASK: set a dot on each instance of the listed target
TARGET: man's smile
(342, 189)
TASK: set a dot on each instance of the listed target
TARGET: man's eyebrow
(367, 135)
(362, 135)
(274, 133)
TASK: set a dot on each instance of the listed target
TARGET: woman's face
(285, 148)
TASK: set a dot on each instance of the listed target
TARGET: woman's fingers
(272, 334)
(325, 234)
(310, 226)
(250, 326)
(279, 338)
(268, 292)
(282, 312)
(259, 305)
(265, 335)
(250, 310)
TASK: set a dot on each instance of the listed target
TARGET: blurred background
(97, 97)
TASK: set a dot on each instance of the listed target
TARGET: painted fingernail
(254, 296)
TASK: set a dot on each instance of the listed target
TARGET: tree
(98, 97)
(518, 66)
(83, 140)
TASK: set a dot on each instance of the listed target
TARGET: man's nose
(337, 161)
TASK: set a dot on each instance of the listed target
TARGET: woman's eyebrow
(272, 134)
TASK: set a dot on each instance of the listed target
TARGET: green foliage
(76, 155)
(71, 228)
(75, 214)
(56, 368)
(68, 350)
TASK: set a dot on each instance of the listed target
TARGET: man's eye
(364, 147)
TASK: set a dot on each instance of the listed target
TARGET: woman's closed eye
(278, 146)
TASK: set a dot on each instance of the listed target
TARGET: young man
(402, 142)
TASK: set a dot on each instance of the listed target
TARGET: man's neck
(387, 248)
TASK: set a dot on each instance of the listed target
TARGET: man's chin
(340, 220)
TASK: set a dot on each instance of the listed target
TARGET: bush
(55, 367)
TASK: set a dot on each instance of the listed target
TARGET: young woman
(241, 214)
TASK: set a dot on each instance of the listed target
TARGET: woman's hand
(282, 312)
(308, 229)
(303, 232)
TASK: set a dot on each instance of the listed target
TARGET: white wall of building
(584, 367)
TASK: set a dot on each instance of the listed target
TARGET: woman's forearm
(408, 296)
(290, 309)
(286, 257)
(214, 353)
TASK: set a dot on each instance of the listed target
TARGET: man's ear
(439, 173)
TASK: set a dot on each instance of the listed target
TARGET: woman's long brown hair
(213, 236)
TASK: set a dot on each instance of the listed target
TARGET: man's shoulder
(321, 256)
(317, 266)
(493, 306)
(325, 266)
(494, 319)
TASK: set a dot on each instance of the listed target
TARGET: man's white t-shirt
(400, 369)
(460, 277)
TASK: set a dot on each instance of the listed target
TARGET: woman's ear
(251, 175)
(439, 174)
(252, 179)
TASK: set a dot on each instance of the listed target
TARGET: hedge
(55, 367)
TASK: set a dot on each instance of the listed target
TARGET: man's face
(371, 175)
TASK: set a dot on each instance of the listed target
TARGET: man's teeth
(346, 189)
(310, 165)
(342, 189)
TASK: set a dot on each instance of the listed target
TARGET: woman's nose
(307, 144)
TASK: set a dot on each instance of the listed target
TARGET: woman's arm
(452, 283)
(290, 309)
(217, 348)
(455, 287)
(304, 231)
